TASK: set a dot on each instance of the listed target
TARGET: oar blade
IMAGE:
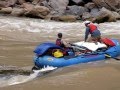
(108, 56)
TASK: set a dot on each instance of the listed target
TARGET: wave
(14, 28)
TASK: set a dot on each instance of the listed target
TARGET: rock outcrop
(64, 10)
(109, 4)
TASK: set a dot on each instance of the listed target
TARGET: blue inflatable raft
(41, 59)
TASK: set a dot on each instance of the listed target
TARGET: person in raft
(62, 43)
(93, 30)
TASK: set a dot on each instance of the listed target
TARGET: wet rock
(105, 15)
(44, 3)
(7, 3)
(18, 12)
(21, 1)
(3, 4)
(38, 11)
(11, 3)
(90, 5)
(117, 15)
(119, 12)
(109, 4)
(7, 10)
(75, 10)
(36, 1)
(86, 16)
(59, 6)
(94, 12)
(28, 7)
(76, 2)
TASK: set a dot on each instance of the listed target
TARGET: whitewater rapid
(12, 24)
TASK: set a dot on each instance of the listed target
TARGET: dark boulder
(38, 12)
(18, 12)
(76, 2)
(7, 10)
(105, 15)
(75, 10)
(109, 4)
(21, 2)
(90, 5)
(94, 12)
(58, 6)
(86, 16)
(87, 1)
(8, 3)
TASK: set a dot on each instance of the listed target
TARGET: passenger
(62, 43)
(93, 30)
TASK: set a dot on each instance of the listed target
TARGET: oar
(108, 56)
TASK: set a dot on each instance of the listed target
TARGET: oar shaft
(108, 56)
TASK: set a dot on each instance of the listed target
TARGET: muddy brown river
(19, 37)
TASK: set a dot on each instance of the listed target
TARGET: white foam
(17, 79)
(36, 25)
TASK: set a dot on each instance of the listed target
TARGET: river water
(19, 37)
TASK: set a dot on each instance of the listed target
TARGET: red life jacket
(92, 27)
(108, 42)
(59, 43)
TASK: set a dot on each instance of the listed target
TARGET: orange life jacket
(92, 27)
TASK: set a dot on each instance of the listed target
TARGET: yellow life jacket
(57, 53)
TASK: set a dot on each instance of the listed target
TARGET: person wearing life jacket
(59, 41)
(93, 30)
(62, 43)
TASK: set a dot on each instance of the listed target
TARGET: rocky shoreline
(64, 10)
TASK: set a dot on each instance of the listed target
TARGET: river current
(19, 37)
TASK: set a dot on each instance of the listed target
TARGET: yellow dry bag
(57, 53)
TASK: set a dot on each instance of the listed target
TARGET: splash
(6, 80)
